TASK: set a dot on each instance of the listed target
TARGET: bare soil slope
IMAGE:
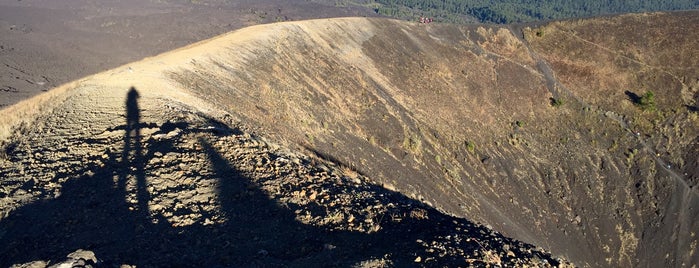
(459, 118)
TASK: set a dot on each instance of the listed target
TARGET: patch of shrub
(631, 154)
(470, 146)
(647, 101)
(539, 32)
(412, 143)
(556, 102)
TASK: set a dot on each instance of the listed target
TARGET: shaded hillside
(533, 132)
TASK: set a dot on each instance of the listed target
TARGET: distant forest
(509, 11)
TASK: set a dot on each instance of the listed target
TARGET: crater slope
(535, 132)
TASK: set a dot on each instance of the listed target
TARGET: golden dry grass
(25, 112)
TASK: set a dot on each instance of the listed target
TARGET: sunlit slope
(463, 119)
(400, 102)
(611, 65)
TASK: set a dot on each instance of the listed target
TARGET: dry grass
(374, 263)
(349, 172)
(490, 257)
(419, 214)
(23, 113)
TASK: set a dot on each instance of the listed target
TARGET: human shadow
(88, 209)
(109, 211)
(132, 159)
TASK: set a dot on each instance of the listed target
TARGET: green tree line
(509, 11)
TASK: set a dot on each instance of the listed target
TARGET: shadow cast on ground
(94, 213)
(633, 97)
